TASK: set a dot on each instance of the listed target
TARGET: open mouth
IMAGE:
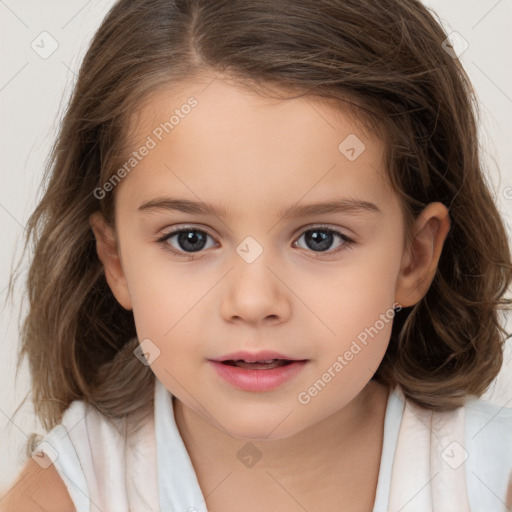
(267, 364)
(263, 372)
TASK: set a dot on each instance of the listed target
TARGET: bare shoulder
(37, 489)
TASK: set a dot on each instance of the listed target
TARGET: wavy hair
(383, 60)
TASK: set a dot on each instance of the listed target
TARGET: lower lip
(257, 380)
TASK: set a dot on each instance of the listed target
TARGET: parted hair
(383, 60)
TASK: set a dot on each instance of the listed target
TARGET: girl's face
(256, 263)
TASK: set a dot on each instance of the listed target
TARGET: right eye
(188, 241)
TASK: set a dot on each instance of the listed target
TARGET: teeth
(266, 361)
(268, 364)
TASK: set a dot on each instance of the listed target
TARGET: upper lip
(253, 357)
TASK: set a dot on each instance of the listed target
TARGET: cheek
(359, 312)
(371, 288)
(160, 291)
(354, 295)
(168, 311)
(349, 296)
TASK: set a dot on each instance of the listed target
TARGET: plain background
(34, 92)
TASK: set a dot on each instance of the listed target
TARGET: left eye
(320, 239)
(189, 240)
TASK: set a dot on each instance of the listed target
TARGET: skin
(254, 156)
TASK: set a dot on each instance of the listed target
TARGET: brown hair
(383, 56)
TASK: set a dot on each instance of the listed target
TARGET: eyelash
(348, 242)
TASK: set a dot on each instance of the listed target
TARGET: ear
(420, 260)
(109, 255)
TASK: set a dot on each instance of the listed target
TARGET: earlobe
(420, 260)
(108, 253)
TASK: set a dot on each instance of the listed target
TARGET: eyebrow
(348, 206)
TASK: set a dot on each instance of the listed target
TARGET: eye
(320, 239)
(189, 240)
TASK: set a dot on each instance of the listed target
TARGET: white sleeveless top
(458, 461)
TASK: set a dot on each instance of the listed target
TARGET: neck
(341, 440)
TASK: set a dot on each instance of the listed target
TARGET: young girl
(268, 272)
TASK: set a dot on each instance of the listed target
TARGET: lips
(258, 365)
(264, 356)
(257, 371)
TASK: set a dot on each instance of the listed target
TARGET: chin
(263, 427)
(260, 434)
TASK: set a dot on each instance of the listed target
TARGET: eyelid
(326, 227)
(300, 231)
(180, 228)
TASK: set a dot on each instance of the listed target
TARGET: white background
(34, 91)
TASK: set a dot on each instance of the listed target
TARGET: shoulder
(486, 420)
(480, 431)
(72, 462)
(485, 408)
(488, 433)
(37, 485)
(59, 474)
(466, 448)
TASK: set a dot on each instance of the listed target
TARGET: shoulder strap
(428, 470)
(100, 472)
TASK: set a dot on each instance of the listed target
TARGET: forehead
(271, 107)
(218, 140)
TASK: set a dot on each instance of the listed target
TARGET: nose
(255, 293)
